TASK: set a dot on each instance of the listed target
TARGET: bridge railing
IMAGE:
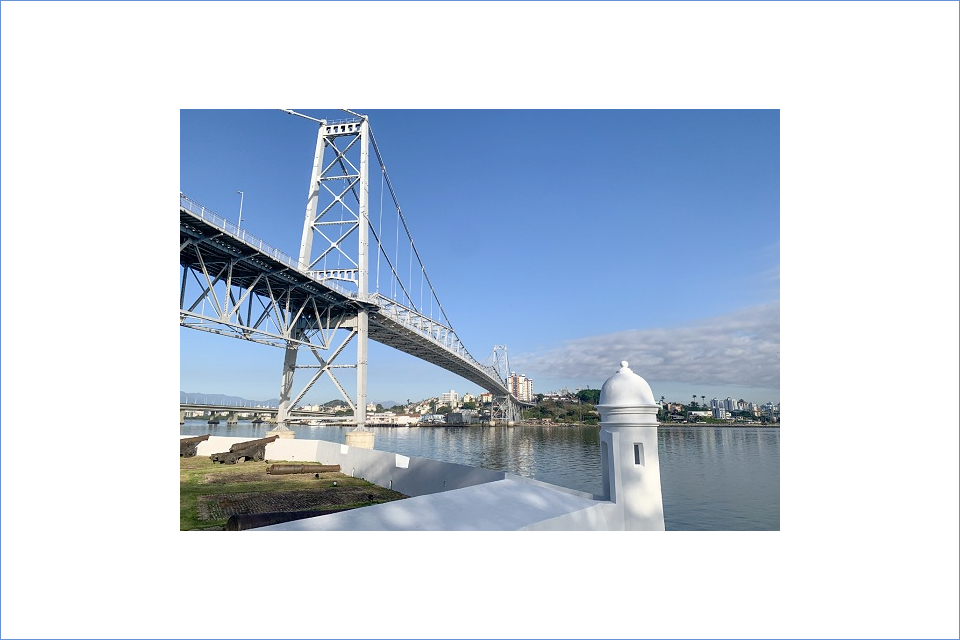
(436, 332)
(254, 242)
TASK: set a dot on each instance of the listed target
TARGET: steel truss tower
(507, 407)
(337, 215)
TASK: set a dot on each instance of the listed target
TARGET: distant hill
(219, 398)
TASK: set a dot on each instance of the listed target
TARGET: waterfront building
(771, 411)
(467, 416)
(450, 398)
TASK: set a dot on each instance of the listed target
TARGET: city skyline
(669, 173)
(204, 398)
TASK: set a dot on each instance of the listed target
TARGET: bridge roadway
(296, 415)
(211, 244)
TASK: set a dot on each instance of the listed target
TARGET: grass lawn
(211, 492)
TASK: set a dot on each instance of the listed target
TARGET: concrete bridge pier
(232, 417)
(183, 416)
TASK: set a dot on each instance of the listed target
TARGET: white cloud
(741, 348)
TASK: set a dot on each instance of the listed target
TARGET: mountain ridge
(228, 400)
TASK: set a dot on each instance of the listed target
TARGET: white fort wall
(410, 476)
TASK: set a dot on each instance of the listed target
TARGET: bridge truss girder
(230, 292)
(505, 409)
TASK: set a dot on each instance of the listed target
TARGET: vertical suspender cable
(380, 229)
(413, 247)
(396, 256)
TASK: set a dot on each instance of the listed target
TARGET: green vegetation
(209, 492)
(589, 396)
(566, 411)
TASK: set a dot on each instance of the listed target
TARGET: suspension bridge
(357, 278)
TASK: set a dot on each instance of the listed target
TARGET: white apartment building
(450, 398)
(520, 386)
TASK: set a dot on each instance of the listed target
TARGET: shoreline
(737, 425)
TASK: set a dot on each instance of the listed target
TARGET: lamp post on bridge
(241, 209)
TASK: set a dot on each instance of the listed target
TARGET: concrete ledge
(503, 505)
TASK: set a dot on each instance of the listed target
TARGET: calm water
(713, 478)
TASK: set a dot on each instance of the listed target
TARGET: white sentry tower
(629, 458)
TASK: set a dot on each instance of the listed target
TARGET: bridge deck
(210, 241)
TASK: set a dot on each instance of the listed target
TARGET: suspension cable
(396, 202)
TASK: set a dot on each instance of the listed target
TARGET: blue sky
(575, 237)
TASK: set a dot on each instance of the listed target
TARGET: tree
(693, 404)
(442, 410)
(589, 396)
(469, 405)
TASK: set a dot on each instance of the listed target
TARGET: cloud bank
(741, 348)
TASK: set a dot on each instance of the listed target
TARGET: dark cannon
(249, 450)
(282, 469)
(188, 446)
